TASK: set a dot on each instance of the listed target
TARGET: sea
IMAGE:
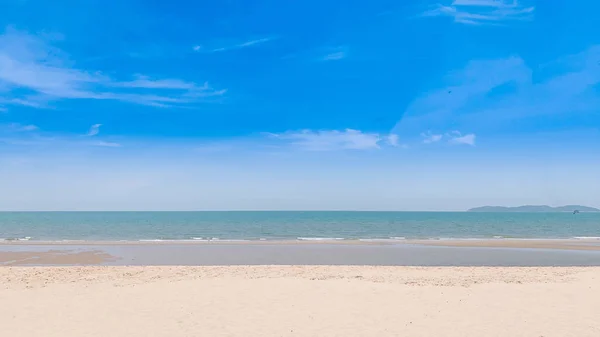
(293, 225)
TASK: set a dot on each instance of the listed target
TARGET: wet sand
(593, 245)
(398, 253)
(55, 257)
(299, 301)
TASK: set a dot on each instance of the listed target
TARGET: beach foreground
(299, 301)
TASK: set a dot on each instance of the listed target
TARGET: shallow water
(292, 225)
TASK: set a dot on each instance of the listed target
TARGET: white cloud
(29, 128)
(471, 83)
(29, 101)
(334, 56)
(492, 94)
(246, 44)
(23, 128)
(487, 3)
(20, 135)
(254, 42)
(322, 54)
(479, 12)
(142, 81)
(94, 130)
(429, 138)
(459, 139)
(330, 140)
(197, 48)
(32, 64)
(335, 53)
(393, 140)
(106, 144)
(191, 89)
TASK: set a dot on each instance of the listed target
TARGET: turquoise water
(292, 225)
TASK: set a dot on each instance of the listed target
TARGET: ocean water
(135, 226)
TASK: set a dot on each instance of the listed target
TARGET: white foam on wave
(496, 238)
(390, 239)
(166, 240)
(460, 239)
(586, 237)
(193, 239)
(25, 238)
(319, 239)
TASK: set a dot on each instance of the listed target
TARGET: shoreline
(578, 243)
(397, 253)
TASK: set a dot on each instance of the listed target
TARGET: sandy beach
(433, 288)
(299, 301)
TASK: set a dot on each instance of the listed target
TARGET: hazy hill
(535, 208)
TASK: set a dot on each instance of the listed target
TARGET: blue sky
(407, 105)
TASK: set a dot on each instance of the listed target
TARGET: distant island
(535, 208)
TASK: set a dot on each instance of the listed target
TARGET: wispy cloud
(335, 54)
(492, 94)
(18, 130)
(337, 140)
(480, 12)
(142, 81)
(94, 130)
(234, 46)
(330, 140)
(28, 101)
(393, 140)
(321, 54)
(106, 144)
(487, 3)
(466, 91)
(429, 138)
(29, 135)
(31, 64)
(458, 138)
(254, 42)
(454, 137)
(22, 128)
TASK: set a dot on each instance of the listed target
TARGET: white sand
(299, 301)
